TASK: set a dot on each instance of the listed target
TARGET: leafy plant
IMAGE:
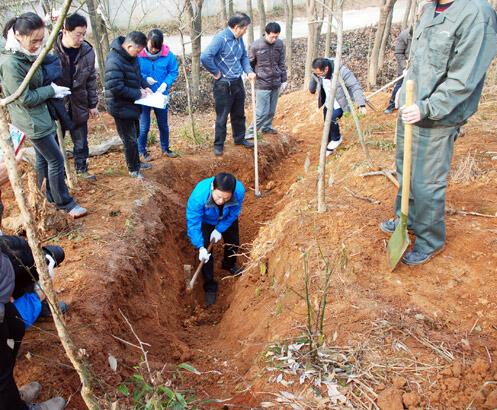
(196, 137)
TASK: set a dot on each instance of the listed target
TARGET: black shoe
(245, 143)
(389, 110)
(145, 165)
(210, 298)
(218, 151)
(145, 157)
(47, 313)
(234, 270)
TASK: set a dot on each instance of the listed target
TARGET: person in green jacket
(23, 38)
(453, 46)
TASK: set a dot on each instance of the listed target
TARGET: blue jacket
(162, 70)
(202, 208)
(227, 54)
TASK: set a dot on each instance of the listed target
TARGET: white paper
(155, 100)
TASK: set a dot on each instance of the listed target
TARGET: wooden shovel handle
(192, 282)
(256, 161)
(406, 171)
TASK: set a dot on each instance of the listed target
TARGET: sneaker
(234, 270)
(136, 174)
(269, 131)
(77, 212)
(416, 258)
(57, 403)
(29, 392)
(245, 143)
(389, 110)
(85, 176)
(334, 144)
(146, 157)
(249, 136)
(218, 151)
(47, 313)
(145, 165)
(389, 226)
(169, 153)
(330, 151)
(210, 298)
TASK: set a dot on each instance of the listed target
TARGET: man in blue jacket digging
(211, 213)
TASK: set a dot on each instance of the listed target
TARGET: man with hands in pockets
(211, 213)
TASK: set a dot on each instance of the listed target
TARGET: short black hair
(73, 21)
(273, 27)
(225, 182)
(136, 38)
(156, 37)
(24, 24)
(320, 63)
(239, 19)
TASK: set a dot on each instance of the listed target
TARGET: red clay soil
(128, 255)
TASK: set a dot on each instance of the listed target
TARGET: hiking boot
(169, 153)
(234, 270)
(210, 298)
(85, 176)
(136, 174)
(218, 151)
(145, 165)
(334, 144)
(29, 391)
(416, 258)
(245, 143)
(269, 131)
(46, 313)
(57, 403)
(146, 157)
(389, 226)
(77, 212)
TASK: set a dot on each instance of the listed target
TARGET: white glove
(151, 81)
(162, 88)
(216, 235)
(203, 255)
(51, 265)
(60, 92)
(283, 85)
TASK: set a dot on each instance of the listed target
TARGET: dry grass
(467, 169)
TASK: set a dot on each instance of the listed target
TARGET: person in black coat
(123, 86)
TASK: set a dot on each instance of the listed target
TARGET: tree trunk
(97, 35)
(288, 7)
(413, 13)
(311, 41)
(224, 16)
(194, 10)
(405, 19)
(329, 29)
(231, 10)
(250, 30)
(329, 113)
(319, 27)
(262, 16)
(373, 63)
(188, 97)
(384, 40)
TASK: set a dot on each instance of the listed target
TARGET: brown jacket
(83, 91)
(268, 62)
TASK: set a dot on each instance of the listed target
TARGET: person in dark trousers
(211, 213)
(226, 59)
(453, 46)
(19, 47)
(77, 59)
(402, 49)
(124, 85)
(17, 277)
(267, 59)
(321, 83)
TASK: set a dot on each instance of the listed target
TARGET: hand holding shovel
(192, 282)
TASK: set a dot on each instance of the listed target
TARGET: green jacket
(450, 55)
(29, 113)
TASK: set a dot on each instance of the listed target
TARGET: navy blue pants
(334, 134)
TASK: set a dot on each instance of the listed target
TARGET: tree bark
(97, 35)
(329, 113)
(384, 40)
(405, 19)
(329, 29)
(319, 27)
(262, 16)
(373, 63)
(224, 15)
(288, 7)
(311, 39)
(231, 10)
(413, 13)
(250, 30)
(194, 11)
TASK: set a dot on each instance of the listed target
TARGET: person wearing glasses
(77, 59)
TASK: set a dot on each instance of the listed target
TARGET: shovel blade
(398, 242)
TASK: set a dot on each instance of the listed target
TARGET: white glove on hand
(162, 88)
(203, 255)
(51, 265)
(151, 81)
(60, 92)
(216, 235)
(283, 85)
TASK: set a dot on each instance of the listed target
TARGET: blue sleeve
(235, 210)
(244, 60)
(207, 57)
(194, 214)
(143, 68)
(172, 70)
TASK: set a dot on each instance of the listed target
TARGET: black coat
(123, 81)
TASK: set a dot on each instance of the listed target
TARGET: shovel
(256, 165)
(400, 239)
(195, 275)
